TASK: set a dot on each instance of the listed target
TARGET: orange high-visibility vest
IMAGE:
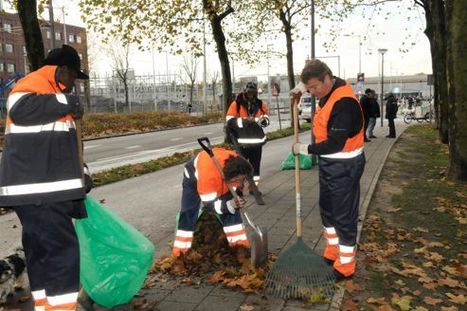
(321, 119)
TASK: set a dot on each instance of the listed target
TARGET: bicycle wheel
(408, 118)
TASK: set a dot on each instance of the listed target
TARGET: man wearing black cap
(246, 118)
(41, 176)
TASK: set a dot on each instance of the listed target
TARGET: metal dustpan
(257, 236)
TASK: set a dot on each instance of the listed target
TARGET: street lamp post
(269, 81)
(382, 51)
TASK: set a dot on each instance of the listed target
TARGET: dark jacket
(365, 103)
(374, 108)
(391, 107)
(40, 161)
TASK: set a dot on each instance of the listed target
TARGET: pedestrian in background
(338, 130)
(373, 113)
(41, 176)
(391, 114)
(365, 103)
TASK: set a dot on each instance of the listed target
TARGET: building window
(71, 38)
(8, 48)
(81, 88)
(80, 56)
(10, 67)
(58, 36)
(2, 67)
(48, 34)
(7, 27)
(24, 50)
(78, 39)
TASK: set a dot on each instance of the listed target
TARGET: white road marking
(133, 147)
(208, 133)
(91, 146)
(176, 138)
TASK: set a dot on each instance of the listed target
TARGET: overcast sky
(403, 28)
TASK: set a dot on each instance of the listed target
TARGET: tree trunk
(127, 99)
(218, 33)
(27, 11)
(457, 74)
(289, 42)
(437, 33)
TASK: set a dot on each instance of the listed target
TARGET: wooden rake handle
(298, 206)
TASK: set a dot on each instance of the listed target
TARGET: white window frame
(8, 48)
(10, 68)
(48, 34)
(7, 27)
(71, 38)
(58, 36)
(78, 39)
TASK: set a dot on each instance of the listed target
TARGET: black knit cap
(66, 56)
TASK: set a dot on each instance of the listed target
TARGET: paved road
(102, 154)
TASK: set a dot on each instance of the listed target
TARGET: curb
(338, 297)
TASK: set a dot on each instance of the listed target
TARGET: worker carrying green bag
(115, 257)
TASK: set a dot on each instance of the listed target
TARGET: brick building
(13, 57)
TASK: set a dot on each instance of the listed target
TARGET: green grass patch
(417, 223)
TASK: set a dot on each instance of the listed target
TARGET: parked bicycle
(409, 116)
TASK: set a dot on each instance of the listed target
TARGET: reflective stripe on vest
(247, 141)
(42, 187)
(354, 145)
(53, 126)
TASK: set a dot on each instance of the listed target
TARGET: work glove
(76, 109)
(299, 148)
(88, 183)
(229, 207)
(298, 90)
(264, 121)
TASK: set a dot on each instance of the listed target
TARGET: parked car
(304, 107)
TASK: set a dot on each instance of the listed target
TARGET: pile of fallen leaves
(412, 255)
(211, 256)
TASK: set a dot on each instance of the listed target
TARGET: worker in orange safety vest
(41, 176)
(338, 129)
(203, 187)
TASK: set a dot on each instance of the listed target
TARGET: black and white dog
(12, 269)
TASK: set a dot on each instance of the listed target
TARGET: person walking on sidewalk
(373, 114)
(246, 118)
(365, 103)
(338, 131)
(391, 114)
(41, 179)
(203, 183)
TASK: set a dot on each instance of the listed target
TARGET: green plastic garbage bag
(114, 256)
(289, 162)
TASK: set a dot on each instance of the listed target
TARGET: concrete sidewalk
(278, 216)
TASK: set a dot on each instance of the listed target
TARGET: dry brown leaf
(385, 308)
(432, 301)
(420, 309)
(451, 308)
(351, 287)
(350, 305)
(420, 229)
(378, 301)
(428, 264)
(451, 270)
(435, 244)
(217, 277)
(246, 307)
(434, 256)
(449, 282)
(400, 283)
(458, 299)
(431, 286)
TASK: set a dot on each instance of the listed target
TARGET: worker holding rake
(204, 186)
(339, 136)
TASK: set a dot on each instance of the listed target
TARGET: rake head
(300, 273)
